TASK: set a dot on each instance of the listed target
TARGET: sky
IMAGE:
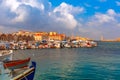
(86, 18)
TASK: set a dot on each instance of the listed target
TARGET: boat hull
(27, 75)
(15, 64)
(6, 55)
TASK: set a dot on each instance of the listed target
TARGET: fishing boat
(6, 55)
(26, 73)
(15, 64)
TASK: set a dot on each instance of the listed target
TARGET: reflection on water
(99, 63)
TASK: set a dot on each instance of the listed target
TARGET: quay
(45, 44)
(37, 40)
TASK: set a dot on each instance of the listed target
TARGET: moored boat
(15, 64)
(26, 73)
(6, 55)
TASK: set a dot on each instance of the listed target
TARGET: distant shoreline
(107, 41)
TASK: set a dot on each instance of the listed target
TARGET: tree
(10, 37)
(3, 37)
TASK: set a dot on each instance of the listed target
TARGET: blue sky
(91, 6)
(86, 18)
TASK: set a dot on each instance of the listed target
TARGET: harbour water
(98, 63)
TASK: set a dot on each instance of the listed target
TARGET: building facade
(56, 36)
(39, 36)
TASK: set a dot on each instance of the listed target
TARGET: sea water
(98, 63)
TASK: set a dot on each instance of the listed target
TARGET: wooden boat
(15, 64)
(26, 73)
(6, 55)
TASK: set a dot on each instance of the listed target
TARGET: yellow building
(52, 33)
(39, 36)
(56, 36)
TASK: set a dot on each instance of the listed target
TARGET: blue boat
(26, 73)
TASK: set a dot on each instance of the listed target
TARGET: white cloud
(104, 18)
(33, 3)
(111, 12)
(28, 13)
(20, 11)
(64, 15)
(66, 8)
(102, 24)
(21, 15)
(12, 4)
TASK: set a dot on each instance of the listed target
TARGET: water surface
(98, 63)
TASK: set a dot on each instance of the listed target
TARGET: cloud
(100, 18)
(38, 15)
(18, 7)
(66, 8)
(14, 4)
(109, 17)
(111, 12)
(102, 24)
(64, 15)
(33, 3)
(7, 29)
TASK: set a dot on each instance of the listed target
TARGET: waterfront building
(0, 33)
(23, 33)
(78, 38)
(56, 36)
(39, 36)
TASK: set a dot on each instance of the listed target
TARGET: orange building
(39, 36)
(56, 36)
